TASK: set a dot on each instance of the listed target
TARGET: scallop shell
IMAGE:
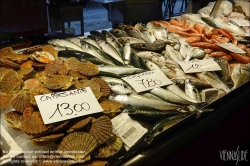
(44, 140)
(27, 113)
(111, 107)
(34, 125)
(42, 56)
(109, 148)
(77, 145)
(14, 119)
(79, 125)
(51, 50)
(94, 86)
(5, 100)
(104, 86)
(76, 74)
(25, 73)
(18, 58)
(72, 63)
(31, 50)
(32, 83)
(60, 125)
(56, 67)
(59, 82)
(10, 81)
(21, 101)
(101, 129)
(88, 68)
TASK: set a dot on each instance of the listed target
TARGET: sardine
(179, 92)
(195, 52)
(132, 31)
(148, 34)
(180, 81)
(192, 91)
(91, 41)
(213, 80)
(142, 101)
(160, 32)
(161, 126)
(225, 69)
(120, 69)
(65, 44)
(169, 96)
(173, 54)
(126, 51)
(109, 49)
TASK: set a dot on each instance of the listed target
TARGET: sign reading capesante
(65, 105)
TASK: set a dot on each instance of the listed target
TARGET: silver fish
(91, 41)
(169, 96)
(191, 90)
(120, 69)
(151, 65)
(134, 32)
(213, 80)
(131, 40)
(118, 33)
(126, 51)
(109, 49)
(142, 101)
(65, 44)
(160, 32)
(179, 92)
(180, 81)
(240, 75)
(225, 69)
(173, 54)
(195, 52)
(150, 95)
(193, 18)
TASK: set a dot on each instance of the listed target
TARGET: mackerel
(191, 90)
(120, 69)
(65, 44)
(142, 101)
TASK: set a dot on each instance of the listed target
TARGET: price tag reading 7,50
(64, 105)
(147, 80)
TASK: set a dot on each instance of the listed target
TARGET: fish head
(147, 140)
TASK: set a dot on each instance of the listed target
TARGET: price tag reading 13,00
(64, 105)
(147, 80)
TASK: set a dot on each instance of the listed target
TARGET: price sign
(199, 66)
(241, 21)
(232, 48)
(147, 80)
(65, 105)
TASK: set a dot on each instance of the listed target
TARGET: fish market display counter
(132, 12)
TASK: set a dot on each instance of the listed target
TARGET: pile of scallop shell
(38, 70)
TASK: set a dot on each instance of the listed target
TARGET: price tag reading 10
(147, 80)
(65, 105)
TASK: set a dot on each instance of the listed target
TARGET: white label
(147, 80)
(241, 21)
(199, 66)
(232, 48)
(128, 129)
(64, 105)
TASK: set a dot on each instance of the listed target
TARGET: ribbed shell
(88, 68)
(42, 56)
(21, 101)
(110, 148)
(14, 119)
(79, 125)
(34, 125)
(59, 82)
(51, 50)
(72, 63)
(25, 73)
(9, 81)
(79, 142)
(94, 86)
(32, 83)
(56, 67)
(27, 113)
(76, 74)
(5, 100)
(58, 126)
(44, 140)
(104, 86)
(101, 129)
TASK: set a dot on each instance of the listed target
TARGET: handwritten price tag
(199, 66)
(147, 80)
(232, 48)
(65, 105)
